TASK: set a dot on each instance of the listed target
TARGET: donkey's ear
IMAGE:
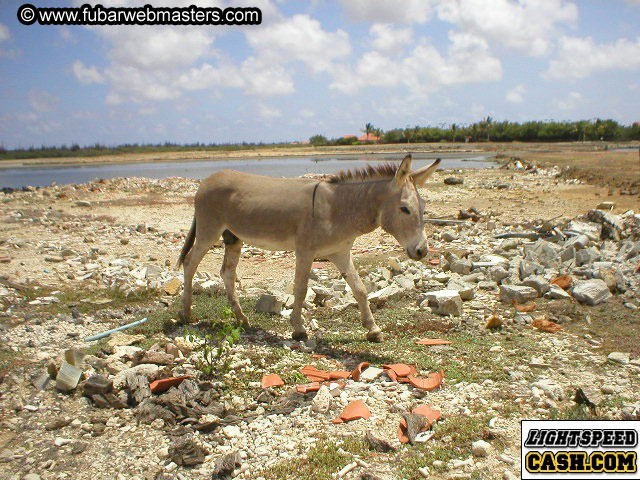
(422, 174)
(403, 171)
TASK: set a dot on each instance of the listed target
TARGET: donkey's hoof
(300, 336)
(375, 336)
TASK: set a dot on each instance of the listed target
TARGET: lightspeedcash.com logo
(580, 449)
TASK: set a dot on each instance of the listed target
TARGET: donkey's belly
(269, 243)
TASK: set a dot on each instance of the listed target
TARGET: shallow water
(273, 167)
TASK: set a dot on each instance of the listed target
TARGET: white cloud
(267, 112)
(468, 60)
(150, 47)
(299, 38)
(307, 113)
(387, 39)
(582, 57)
(389, 11)
(4, 33)
(86, 75)
(571, 101)
(207, 76)
(266, 79)
(528, 26)
(516, 94)
(42, 101)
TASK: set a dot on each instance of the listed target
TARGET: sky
(317, 67)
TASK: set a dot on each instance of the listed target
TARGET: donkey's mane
(370, 172)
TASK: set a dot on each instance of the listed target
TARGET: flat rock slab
(390, 292)
(519, 293)
(269, 304)
(591, 292)
(444, 302)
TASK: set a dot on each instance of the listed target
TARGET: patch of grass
(452, 439)
(465, 360)
(94, 348)
(327, 457)
(611, 322)
(85, 301)
(8, 359)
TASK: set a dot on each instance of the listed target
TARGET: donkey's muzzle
(417, 253)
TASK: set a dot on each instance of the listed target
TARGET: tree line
(489, 130)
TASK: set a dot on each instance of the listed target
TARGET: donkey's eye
(405, 209)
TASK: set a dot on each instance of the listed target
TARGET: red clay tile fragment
(433, 381)
(273, 380)
(563, 281)
(494, 321)
(339, 374)
(358, 370)
(308, 387)
(165, 384)
(546, 325)
(314, 374)
(431, 415)
(400, 369)
(526, 307)
(432, 341)
(318, 356)
(353, 411)
(434, 261)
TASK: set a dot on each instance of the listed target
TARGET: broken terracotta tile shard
(309, 387)
(563, 281)
(165, 384)
(318, 356)
(398, 371)
(358, 370)
(432, 415)
(316, 375)
(272, 380)
(407, 435)
(546, 325)
(433, 381)
(432, 341)
(494, 321)
(353, 411)
(527, 307)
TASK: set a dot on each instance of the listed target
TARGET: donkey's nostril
(419, 252)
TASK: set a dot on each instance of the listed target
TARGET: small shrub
(215, 347)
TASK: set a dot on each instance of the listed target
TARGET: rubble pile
(145, 402)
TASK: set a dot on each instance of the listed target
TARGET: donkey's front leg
(344, 263)
(303, 267)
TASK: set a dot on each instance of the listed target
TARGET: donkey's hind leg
(205, 237)
(232, 248)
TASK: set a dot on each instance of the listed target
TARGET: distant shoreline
(511, 148)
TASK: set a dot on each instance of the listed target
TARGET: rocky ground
(551, 264)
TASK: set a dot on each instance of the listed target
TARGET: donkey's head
(403, 209)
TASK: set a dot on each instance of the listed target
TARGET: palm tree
(488, 123)
(454, 128)
(368, 129)
(378, 133)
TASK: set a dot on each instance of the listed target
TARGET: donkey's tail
(188, 243)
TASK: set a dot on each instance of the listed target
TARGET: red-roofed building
(369, 137)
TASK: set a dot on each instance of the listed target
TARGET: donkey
(315, 219)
